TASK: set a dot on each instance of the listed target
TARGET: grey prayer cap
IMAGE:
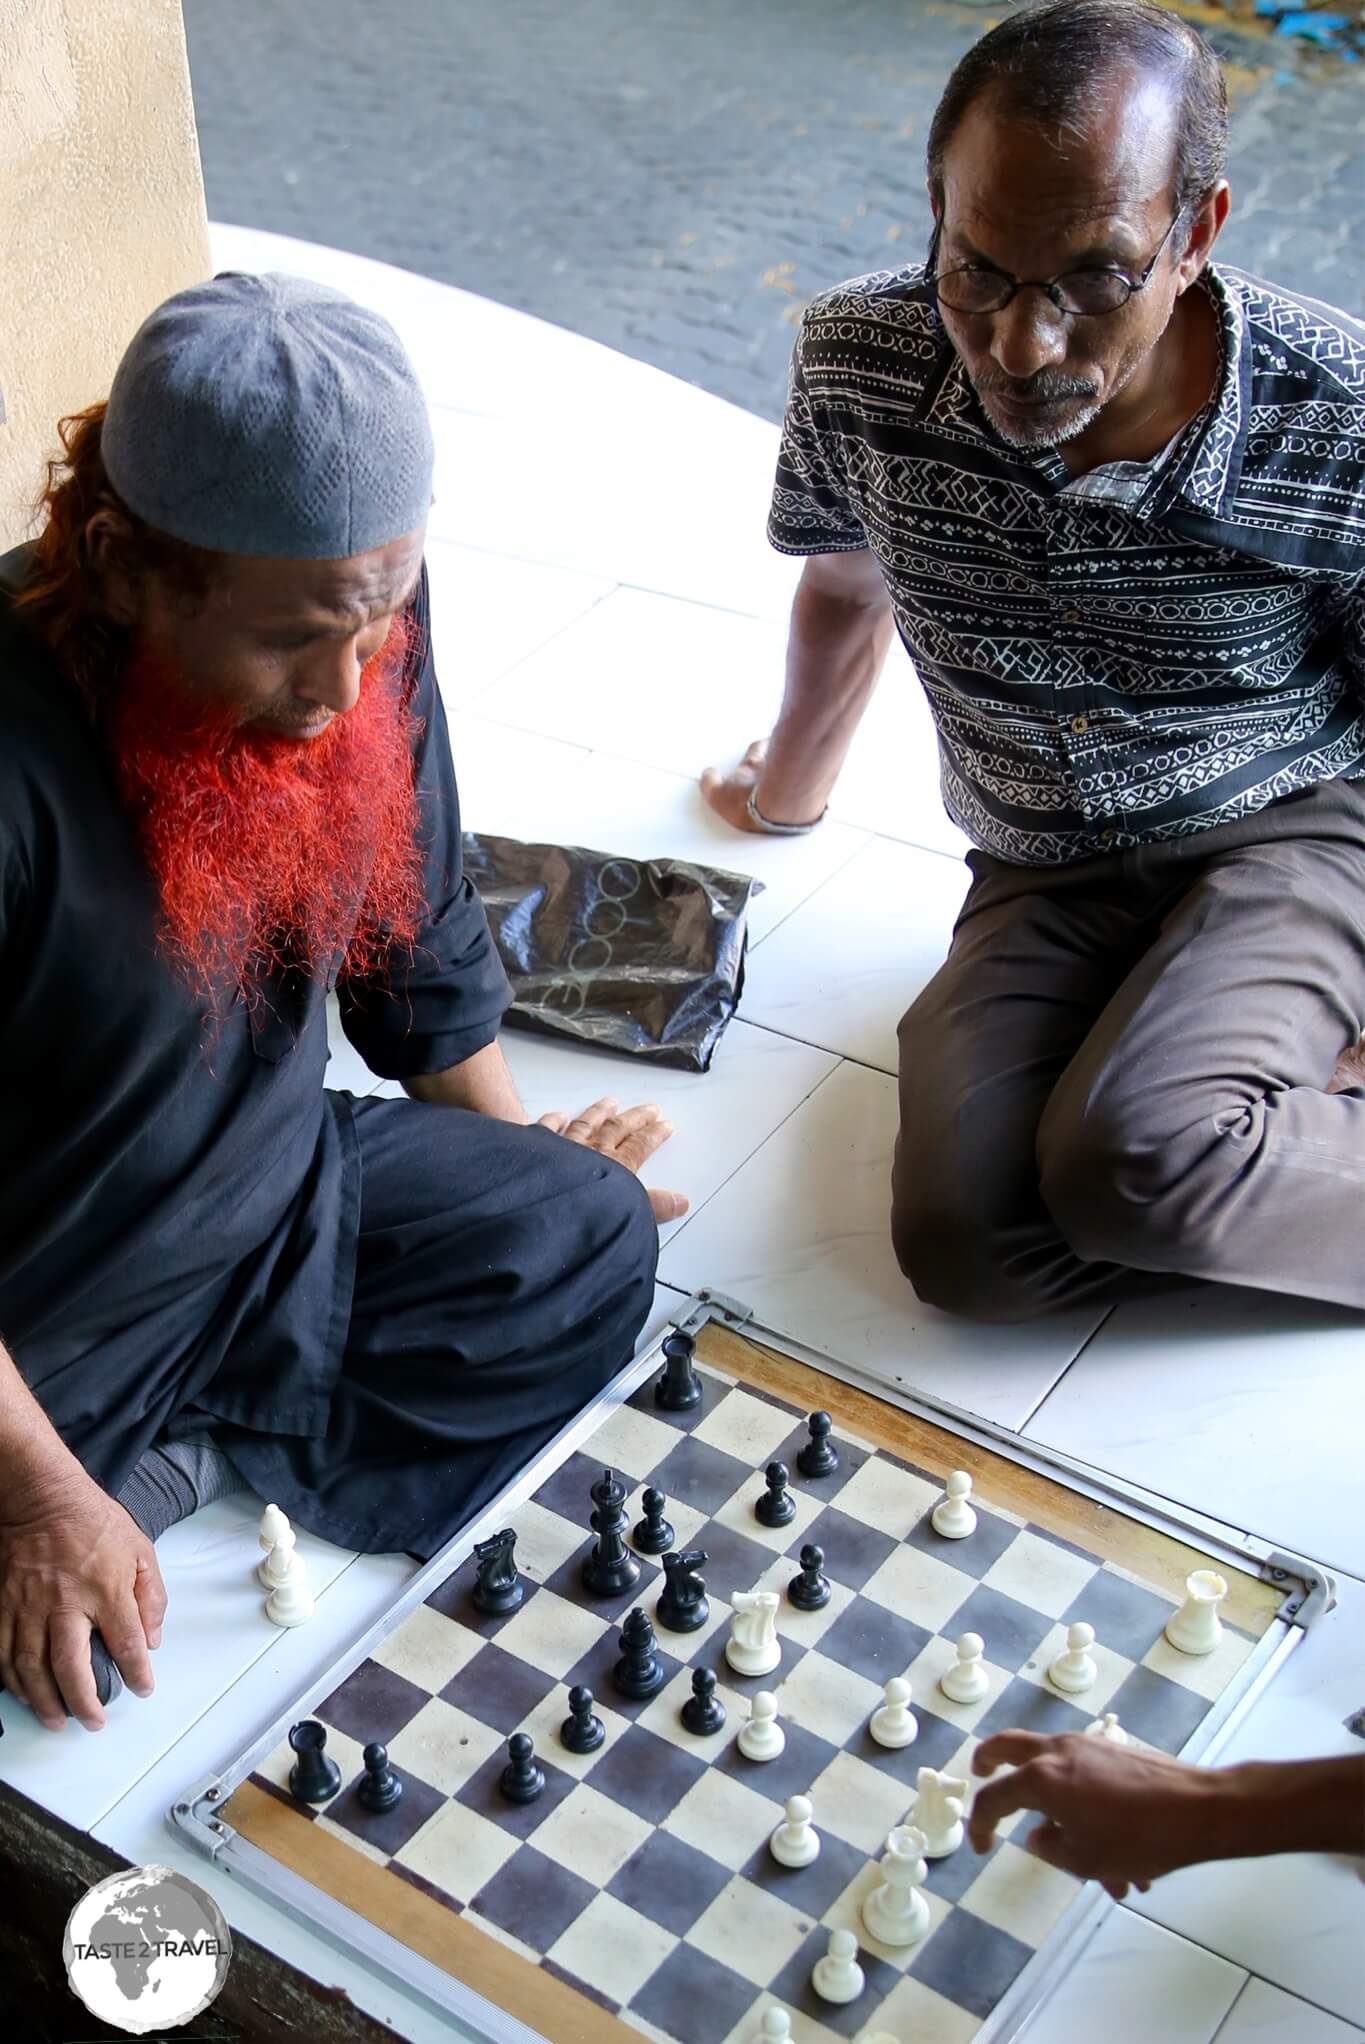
(269, 415)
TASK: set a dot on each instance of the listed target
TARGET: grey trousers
(1121, 1070)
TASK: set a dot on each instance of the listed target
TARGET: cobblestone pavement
(678, 180)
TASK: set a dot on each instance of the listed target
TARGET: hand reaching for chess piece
(1124, 1815)
(630, 1136)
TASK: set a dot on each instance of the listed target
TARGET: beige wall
(101, 209)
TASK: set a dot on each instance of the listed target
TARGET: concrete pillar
(101, 210)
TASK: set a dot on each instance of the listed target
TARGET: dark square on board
(1160, 1712)
(803, 1759)
(373, 1703)
(669, 1881)
(533, 1898)
(497, 1688)
(567, 1491)
(687, 1983)
(974, 1555)
(696, 1474)
(970, 1962)
(1126, 1618)
(1024, 1706)
(596, 1666)
(519, 1820)
(567, 1582)
(812, 1889)
(454, 1598)
(1012, 1631)
(712, 1392)
(387, 1830)
(647, 1774)
(792, 1985)
(732, 1561)
(934, 1746)
(853, 1552)
(873, 1641)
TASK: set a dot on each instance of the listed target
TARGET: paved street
(678, 180)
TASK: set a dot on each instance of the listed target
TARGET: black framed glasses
(1087, 294)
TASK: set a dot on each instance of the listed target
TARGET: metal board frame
(1308, 1593)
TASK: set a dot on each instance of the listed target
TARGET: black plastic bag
(638, 955)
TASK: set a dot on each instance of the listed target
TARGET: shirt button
(1108, 834)
(1071, 617)
(1080, 725)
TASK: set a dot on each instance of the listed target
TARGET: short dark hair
(1042, 65)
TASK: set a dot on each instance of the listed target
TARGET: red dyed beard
(271, 852)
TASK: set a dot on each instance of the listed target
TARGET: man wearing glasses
(1113, 500)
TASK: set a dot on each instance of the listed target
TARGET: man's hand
(1115, 1814)
(728, 793)
(630, 1135)
(76, 1564)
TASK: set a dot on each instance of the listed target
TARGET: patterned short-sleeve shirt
(1107, 666)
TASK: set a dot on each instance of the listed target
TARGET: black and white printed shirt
(1122, 657)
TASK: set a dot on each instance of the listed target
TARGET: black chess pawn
(810, 1590)
(819, 1456)
(682, 1605)
(610, 1569)
(777, 1506)
(703, 1712)
(639, 1672)
(313, 1778)
(498, 1589)
(521, 1781)
(379, 1787)
(582, 1730)
(679, 1387)
(653, 1534)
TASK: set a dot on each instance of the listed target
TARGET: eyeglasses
(1088, 294)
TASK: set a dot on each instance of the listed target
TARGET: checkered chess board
(641, 1879)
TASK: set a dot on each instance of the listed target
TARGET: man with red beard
(225, 788)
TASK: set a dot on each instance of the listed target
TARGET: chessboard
(636, 1894)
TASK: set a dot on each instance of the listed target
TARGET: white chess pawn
(752, 1648)
(290, 1602)
(896, 1913)
(966, 1681)
(1195, 1628)
(838, 1976)
(1108, 1727)
(762, 1737)
(280, 1560)
(777, 2024)
(1075, 1669)
(893, 1723)
(938, 1811)
(796, 1842)
(953, 1517)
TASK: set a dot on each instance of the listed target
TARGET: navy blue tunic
(180, 1211)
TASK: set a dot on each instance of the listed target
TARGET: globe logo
(146, 1950)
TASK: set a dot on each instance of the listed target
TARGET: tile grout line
(692, 1213)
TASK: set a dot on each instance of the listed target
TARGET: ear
(106, 536)
(1206, 225)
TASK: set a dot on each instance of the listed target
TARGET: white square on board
(752, 1932)
(612, 1947)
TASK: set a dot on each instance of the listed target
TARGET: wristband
(761, 822)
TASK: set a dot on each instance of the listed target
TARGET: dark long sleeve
(446, 1001)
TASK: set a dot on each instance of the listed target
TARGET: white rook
(1195, 1628)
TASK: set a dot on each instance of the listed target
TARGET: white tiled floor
(602, 635)
(1244, 1404)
